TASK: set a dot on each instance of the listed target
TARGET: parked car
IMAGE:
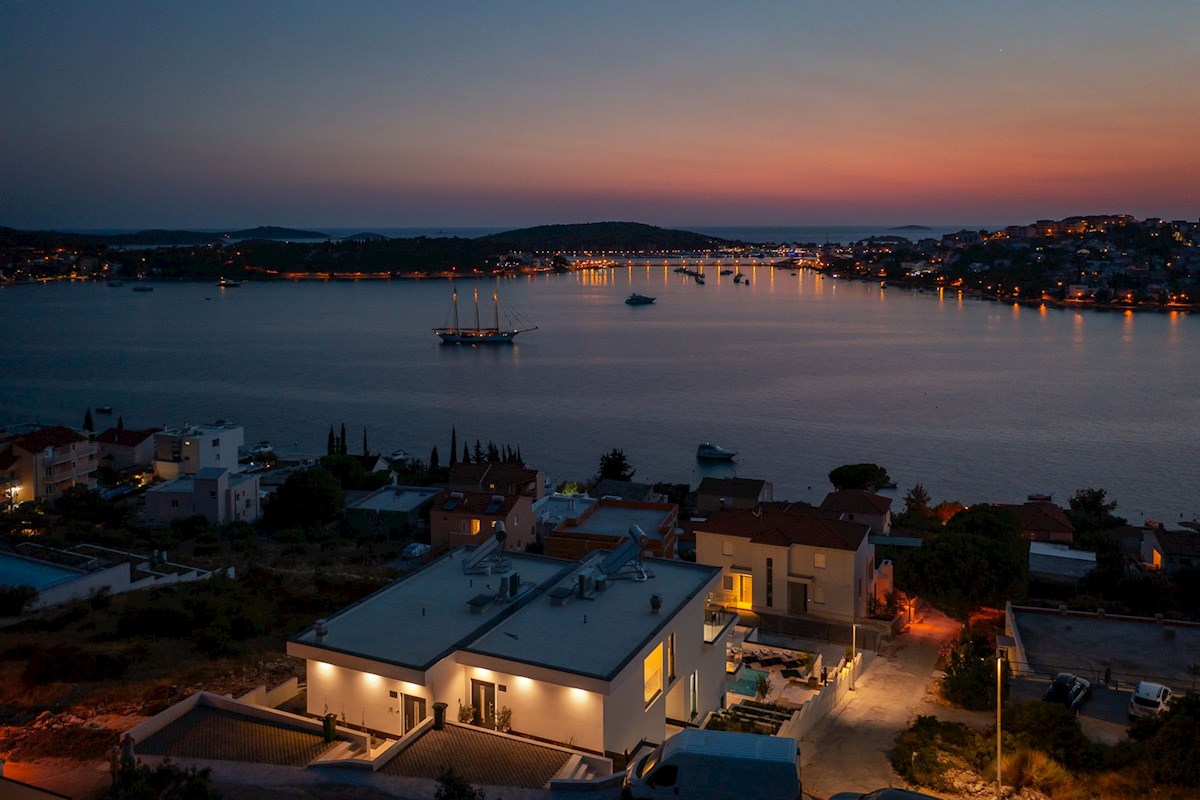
(1068, 690)
(415, 550)
(1149, 700)
(884, 794)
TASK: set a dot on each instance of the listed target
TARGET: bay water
(799, 373)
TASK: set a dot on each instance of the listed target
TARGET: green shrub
(14, 599)
(1053, 730)
(70, 664)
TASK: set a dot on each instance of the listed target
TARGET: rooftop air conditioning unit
(586, 586)
(510, 585)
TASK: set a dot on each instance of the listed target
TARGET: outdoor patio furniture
(791, 673)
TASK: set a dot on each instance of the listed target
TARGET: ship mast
(477, 308)
(455, 295)
(496, 306)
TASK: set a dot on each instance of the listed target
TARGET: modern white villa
(597, 653)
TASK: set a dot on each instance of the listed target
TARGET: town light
(853, 651)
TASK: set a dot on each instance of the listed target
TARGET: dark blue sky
(410, 114)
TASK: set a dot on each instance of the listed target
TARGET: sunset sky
(194, 114)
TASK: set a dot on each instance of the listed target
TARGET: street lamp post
(999, 777)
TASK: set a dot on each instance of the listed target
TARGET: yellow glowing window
(652, 670)
(474, 526)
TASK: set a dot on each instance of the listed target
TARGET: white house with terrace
(598, 653)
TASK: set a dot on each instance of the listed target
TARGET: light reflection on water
(801, 373)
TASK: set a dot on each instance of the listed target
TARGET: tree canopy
(957, 572)
(866, 477)
(307, 498)
(614, 466)
(1091, 511)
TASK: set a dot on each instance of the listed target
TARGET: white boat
(228, 283)
(477, 334)
(713, 452)
(636, 299)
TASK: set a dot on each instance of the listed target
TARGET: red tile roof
(1040, 517)
(1179, 543)
(52, 436)
(785, 527)
(126, 437)
(502, 474)
(741, 488)
(854, 501)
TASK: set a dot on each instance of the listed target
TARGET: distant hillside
(912, 228)
(273, 233)
(604, 236)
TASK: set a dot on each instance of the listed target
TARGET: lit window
(652, 672)
(819, 560)
(474, 527)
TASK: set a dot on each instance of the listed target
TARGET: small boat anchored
(477, 334)
(713, 452)
(228, 283)
(636, 299)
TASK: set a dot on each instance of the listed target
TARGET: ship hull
(469, 336)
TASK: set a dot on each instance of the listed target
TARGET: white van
(716, 765)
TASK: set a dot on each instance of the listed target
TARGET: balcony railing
(717, 620)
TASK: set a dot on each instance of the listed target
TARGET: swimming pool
(17, 571)
(746, 682)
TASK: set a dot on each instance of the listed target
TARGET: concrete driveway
(847, 751)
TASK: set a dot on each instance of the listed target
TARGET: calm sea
(977, 400)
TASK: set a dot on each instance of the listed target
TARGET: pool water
(746, 682)
(17, 571)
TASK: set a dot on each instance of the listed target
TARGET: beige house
(123, 448)
(717, 493)
(191, 448)
(606, 525)
(787, 561)
(43, 463)
(501, 478)
(598, 653)
(469, 518)
(214, 493)
(864, 507)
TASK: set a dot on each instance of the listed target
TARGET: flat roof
(615, 520)
(596, 637)
(396, 498)
(417, 620)
(1087, 644)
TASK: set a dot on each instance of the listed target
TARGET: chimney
(655, 603)
(321, 630)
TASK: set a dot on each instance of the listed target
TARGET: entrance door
(745, 591)
(483, 697)
(797, 598)
(414, 712)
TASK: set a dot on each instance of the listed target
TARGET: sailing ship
(477, 334)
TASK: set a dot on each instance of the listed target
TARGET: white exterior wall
(710, 549)
(159, 508)
(627, 719)
(548, 710)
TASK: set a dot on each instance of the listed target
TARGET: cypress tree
(477, 456)
(433, 460)
(342, 441)
(493, 453)
(331, 446)
(120, 423)
(365, 451)
(466, 456)
(453, 445)
(88, 425)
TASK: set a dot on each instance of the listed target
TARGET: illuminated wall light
(324, 668)
(578, 695)
(372, 679)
